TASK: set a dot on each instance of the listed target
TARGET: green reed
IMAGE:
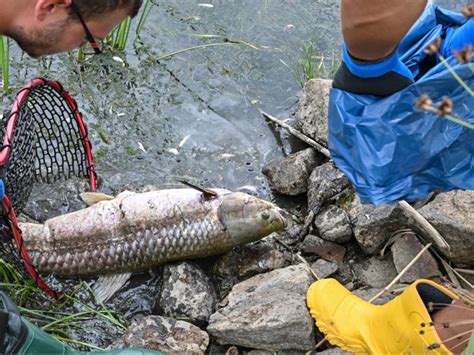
(5, 62)
(119, 37)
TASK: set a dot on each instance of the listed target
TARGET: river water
(194, 115)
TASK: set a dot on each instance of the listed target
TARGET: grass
(312, 65)
(5, 62)
(119, 37)
(57, 317)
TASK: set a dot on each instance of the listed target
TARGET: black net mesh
(48, 142)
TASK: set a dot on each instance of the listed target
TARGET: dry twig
(297, 134)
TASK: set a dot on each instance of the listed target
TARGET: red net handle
(21, 99)
(22, 251)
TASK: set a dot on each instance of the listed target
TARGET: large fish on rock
(137, 231)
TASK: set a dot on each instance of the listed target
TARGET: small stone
(288, 176)
(375, 272)
(232, 351)
(324, 268)
(324, 182)
(374, 225)
(404, 250)
(313, 245)
(333, 224)
(164, 334)
(186, 292)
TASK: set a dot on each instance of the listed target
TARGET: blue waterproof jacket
(392, 151)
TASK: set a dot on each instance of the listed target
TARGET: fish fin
(91, 198)
(106, 286)
(208, 194)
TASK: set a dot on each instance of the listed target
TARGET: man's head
(51, 26)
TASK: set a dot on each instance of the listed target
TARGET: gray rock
(252, 259)
(186, 292)
(452, 214)
(164, 334)
(312, 114)
(334, 351)
(404, 250)
(267, 312)
(288, 176)
(325, 182)
(368, 293)
(333, 224)
(313, 245)
(374, 225)
(375, 272)
(324, 268)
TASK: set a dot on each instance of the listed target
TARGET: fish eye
(265, 215)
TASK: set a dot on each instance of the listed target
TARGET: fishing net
(44, 140)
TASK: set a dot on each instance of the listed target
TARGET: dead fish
(137, 231)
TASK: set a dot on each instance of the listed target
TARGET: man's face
(64, 34)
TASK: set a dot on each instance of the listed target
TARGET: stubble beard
(39, 42)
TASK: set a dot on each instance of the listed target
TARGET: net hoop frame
(15, 112)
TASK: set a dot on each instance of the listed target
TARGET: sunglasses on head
(97, 46)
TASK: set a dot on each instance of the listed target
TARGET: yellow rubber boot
(401, 326)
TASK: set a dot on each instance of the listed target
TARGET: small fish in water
(137, 231)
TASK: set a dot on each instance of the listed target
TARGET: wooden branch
(400, 275)
(298, 134)
(425, 226)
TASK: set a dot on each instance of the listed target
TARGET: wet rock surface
(186, 292)
(164, 334)
(289, 175)
(267, 312)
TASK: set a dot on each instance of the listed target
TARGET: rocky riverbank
(252, 300)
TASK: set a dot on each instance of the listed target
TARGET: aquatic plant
(5, 62)
(118, 38)
(313, 65)
(56, 317)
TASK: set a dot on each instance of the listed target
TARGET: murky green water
(194, 115)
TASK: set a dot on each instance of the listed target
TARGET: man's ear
(44, 8)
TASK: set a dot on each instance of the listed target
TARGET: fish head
(248, 218)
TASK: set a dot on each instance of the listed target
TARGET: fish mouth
(285, 218)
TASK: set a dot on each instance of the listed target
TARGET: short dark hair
(93, 8)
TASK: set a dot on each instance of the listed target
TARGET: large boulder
(288, 176)
(186, 292)
(452, 214)
(164, 334)
(267, 312)
(312, 114)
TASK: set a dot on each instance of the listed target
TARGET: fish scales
(137, 231)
